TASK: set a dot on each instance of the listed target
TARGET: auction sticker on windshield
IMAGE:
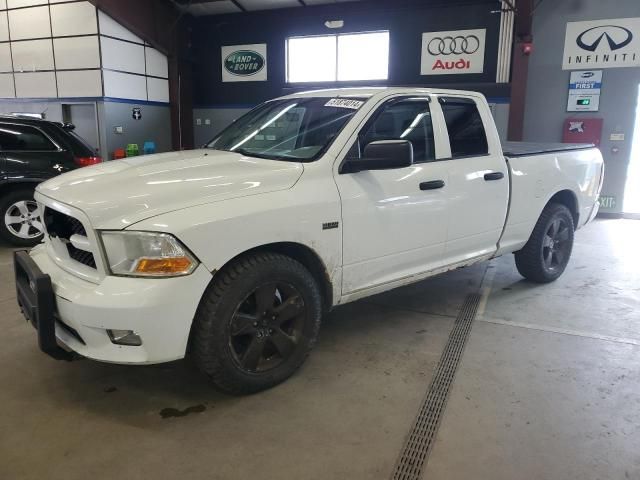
(344, 103)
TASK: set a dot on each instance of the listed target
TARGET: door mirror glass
(382, 155)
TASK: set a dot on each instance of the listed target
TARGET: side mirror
(382, 155)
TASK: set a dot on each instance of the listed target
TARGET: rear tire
(256, 323)
(546, 255)
(20, 222)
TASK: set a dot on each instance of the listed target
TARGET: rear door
(28, 152)
(478, 179)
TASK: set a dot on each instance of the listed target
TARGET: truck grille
(64, 227)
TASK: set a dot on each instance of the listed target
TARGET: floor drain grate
(423, 431)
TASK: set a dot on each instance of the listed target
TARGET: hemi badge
(330, 225)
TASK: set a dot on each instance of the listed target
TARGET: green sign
(244, 62)
(607, 201)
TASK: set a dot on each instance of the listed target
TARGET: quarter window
(23, 138)
(466, 131)
(408, 119)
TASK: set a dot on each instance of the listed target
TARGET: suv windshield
(296, 129)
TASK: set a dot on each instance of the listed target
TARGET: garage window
(343, 57)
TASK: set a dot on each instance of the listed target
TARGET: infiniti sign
(616, 37)
(602, 44)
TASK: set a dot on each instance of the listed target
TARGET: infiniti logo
(453, 45)
(615, 36)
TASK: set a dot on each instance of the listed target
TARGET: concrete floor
(548, 388)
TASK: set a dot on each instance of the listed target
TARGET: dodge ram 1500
(232, 253)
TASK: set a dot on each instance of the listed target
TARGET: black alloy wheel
(547, 252)
(267, 327)
(556, 247)
(256, 323)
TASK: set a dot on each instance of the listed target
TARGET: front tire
(20, 221)
(546, 255)
(256, 323)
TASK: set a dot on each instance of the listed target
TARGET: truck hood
(119, 193)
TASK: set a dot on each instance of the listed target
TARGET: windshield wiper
(250, 153)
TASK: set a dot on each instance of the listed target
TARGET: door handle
(493, 176)
(432, 185)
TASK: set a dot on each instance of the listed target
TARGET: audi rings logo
(451, 45)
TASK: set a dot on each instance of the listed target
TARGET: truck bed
(522, 149)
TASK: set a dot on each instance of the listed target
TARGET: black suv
(31, 151)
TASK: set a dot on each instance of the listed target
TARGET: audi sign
(602, 44)
(445, 53)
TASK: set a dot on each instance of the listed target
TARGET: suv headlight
(146, 254)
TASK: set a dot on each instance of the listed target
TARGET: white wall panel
(3, 4)
(32, 55)
(73, 19)
(108, 26)
(35, 85)
(6, 85)
(4, 27)
(156, 63)
(5, 58)
(124, 85)
(29, 23)
(76, 52)
(119, 55)
(87, 83)
(158, 89)
(25, 3)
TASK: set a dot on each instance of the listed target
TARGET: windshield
(296, 129)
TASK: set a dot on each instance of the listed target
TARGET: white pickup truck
(232, 253)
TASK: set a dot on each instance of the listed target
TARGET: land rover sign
(244, 63)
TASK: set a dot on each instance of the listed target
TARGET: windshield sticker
(344, 103)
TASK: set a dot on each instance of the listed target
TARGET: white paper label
(344, 103)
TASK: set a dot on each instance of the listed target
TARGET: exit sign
(607, 201)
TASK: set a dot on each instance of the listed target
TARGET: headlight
(146, 254)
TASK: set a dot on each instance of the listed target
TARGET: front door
(394, 221)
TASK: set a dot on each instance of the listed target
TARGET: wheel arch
(569, 199)
(301, 253)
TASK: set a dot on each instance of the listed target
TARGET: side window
(407, 119)
(466, 131)
(23, 138)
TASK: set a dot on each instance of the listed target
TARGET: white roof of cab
(368, 92)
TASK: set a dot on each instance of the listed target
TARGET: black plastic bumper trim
(37, 302)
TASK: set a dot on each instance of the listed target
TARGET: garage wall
(547, 87)
(55, 52)
(406, 21)
(154, 125)
(405, 24)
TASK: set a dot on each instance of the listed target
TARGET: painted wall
(54, 53)
(547, 87)
(154, 125)
(52, 49)
(405, 20)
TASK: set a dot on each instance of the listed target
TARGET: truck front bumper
(76, 315)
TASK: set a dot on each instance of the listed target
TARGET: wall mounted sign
(584, 91)
(582, 130)
(136, 113)
(602, 44)
(607, 201)
(244, 63)
(454, 52)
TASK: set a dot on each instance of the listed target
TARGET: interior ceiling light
(334, 23)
